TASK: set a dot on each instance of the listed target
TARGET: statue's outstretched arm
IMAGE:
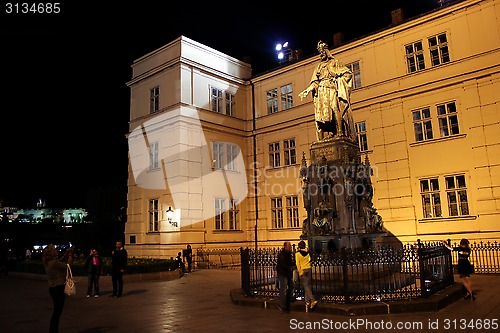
(306, 91)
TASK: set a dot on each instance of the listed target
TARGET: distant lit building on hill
(215, 152)
(42, 213)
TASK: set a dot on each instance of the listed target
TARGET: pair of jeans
(58, 297)
(305, 281)
(117, 279)
(93, 282)
(286, 290)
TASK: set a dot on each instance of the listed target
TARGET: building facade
(215, 153)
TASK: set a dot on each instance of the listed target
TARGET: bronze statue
(331, 88)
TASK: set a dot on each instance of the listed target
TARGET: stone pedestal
(338, 194)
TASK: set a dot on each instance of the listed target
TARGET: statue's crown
(322, 45)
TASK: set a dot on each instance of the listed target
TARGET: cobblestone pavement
(201, 302)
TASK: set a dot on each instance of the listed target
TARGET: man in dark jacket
(285, 268)
(118, 265)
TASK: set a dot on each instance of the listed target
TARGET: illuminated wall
(430, 185)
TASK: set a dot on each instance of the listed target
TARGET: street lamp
(170, 216)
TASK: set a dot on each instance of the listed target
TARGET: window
(153, 156)
(272, 101)
(289, 150)
(438, 48)
(277, 213)
(456, 193)
(154, 215)
(286, 97)
(274, 155)
(234, 215)
(225, 161)
(216, 100)
(232, 153)
(448, 119)
(218, 155)
(154, 100)
(431, 200)
(361, 133)
(422, 124)
(456, 196)
(230, 104)
(289, 153)
(356, 74)
(219, 213)
(415, 57)
(292, 211)
(222, 101)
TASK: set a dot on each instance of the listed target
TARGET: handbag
(69, 285)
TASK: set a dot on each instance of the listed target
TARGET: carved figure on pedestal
(373, 219)
(350, 224)
(322, 219)
(330, 85)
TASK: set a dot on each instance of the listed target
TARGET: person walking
(284, 268)
(118, 265)
(93, 265)
(303, 262)
(56, 276)
(465, 268)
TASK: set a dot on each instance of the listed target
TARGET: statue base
(334, 243)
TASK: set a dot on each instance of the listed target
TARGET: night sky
(65, 103)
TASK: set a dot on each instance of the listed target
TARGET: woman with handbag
(56, 275)
(465, 268)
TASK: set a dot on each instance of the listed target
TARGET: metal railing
(485, 256)
(353, 276)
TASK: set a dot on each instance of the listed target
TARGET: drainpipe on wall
(255, 182)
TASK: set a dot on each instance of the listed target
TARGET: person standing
(56, 276)
(465, 268)
(285, 267)
(93, 265)
(118, 265)
(180, 262)
(303, 261)
(189, 257)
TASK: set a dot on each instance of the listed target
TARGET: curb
(435, 302)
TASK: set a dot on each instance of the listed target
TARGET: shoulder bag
(69, 285)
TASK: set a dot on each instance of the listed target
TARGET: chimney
(397, 16)
(338, 39)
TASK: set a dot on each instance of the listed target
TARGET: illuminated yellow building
(221, 150)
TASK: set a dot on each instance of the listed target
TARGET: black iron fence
(485, 256)
(354, 276)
